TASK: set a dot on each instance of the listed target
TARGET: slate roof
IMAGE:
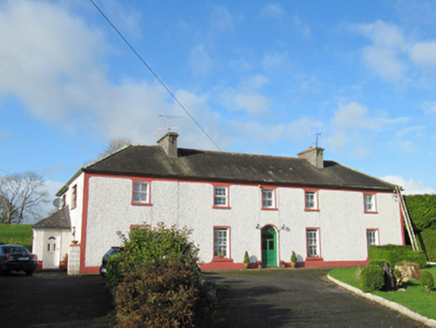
(57, 220)
(152, 161)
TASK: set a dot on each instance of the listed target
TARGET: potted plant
(246, 260)
(293, 259)
(64, 263)
(282, 264)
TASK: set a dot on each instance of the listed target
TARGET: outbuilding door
(269, 247)
(51, 251)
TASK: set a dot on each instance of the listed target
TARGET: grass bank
(414, 297)
(19, 234)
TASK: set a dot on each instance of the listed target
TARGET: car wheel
(29, 272)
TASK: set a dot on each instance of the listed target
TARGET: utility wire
(155, 75)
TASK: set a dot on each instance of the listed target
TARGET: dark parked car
(17, 258)
(110, 252)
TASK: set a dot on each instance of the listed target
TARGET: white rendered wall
(76, 212)
(341, 218)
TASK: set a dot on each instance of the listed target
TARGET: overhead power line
(155, 75)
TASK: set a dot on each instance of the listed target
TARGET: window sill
(314, 258)
(311, 209)
(141, 204)
(216, 259)
(222, 207)
(370, 212)
(269, 209)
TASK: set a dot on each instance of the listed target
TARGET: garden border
(392, 305)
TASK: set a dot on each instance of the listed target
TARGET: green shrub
(164, 293)
(293, 257)
(145, 245)
(396, 253)
(371, 278)
(156, 282)
(427, 281)
(246, 258)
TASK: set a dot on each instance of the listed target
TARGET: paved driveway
(299, 298)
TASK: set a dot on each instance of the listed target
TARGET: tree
(114, 145)
(21, 195)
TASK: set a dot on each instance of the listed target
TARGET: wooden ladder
(407, 220)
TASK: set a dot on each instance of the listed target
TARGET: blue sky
(260, 77)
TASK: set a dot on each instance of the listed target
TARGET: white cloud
(302, 27)
(429, 107)
(351, 116)
(222, 19)
(273, 11)
(273, 60)
(411, 187)
(199, 61)
(253, 103)
(424, 53)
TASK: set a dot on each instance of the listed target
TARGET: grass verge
(414, 298)
(19, 234)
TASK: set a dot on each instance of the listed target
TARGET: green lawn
(20, 234)
(414, 298)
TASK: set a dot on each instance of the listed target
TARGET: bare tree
(114, 145)
(21, 195)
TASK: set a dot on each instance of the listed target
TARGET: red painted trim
(309, 258)
(90, 270)
(148, 181)
(402, 221)
(316, 191)
(229, 247)
(153, 178)
(227, 186)
(274, 189)
(375, 202)
(84, 222)
(323, 263)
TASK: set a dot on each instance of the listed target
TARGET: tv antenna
(167, 120)
(317, 136)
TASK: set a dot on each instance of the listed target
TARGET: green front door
(269, 247)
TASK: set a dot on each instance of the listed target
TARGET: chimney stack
(314, 156)
(169, 143)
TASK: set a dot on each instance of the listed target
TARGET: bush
(246, 258)
(156, 282)
(396, 253)
(427, 281)
(371, 278)
(164, 293)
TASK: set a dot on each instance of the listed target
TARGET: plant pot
(246, 265)
(293, 264)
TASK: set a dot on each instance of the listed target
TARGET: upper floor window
(369, 202)
(268, 198)
(74, 197)
(221, 196)
(141, 192)
(311, 200)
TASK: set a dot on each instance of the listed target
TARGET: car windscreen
(14, 249)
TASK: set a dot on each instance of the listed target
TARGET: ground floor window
(221, 242)
(372, 237)
(312, 236)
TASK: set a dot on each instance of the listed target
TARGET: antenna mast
(167, 119)
(317, 135)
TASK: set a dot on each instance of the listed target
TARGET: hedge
(396, 253)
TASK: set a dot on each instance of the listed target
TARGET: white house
(269, 206)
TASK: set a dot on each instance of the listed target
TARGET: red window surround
(374, 210)
(229, 245)
(274, 198)
(316, 208)
(132, 226)
(148, 202)
(314, 258)
(227, 187)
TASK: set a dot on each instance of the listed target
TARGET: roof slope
(57, 220)
(232, 167)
